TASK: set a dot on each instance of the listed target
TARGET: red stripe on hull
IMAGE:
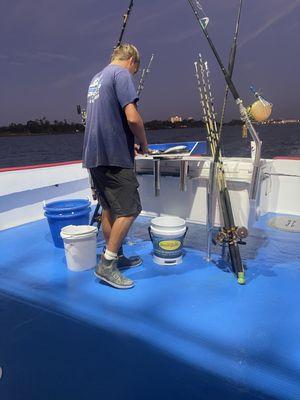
(287, 158)
(39, 166)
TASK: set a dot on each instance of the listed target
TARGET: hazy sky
(50, 49)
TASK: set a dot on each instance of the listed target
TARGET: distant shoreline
(149, 126)
(6, 134)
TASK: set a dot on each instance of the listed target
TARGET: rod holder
(184, 165)
(258, 144)
(156, 173)
(210, 197)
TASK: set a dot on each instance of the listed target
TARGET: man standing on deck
(108, 152)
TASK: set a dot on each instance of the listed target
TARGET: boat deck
(183, 332)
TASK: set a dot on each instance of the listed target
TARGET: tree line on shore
(43, 126)
(40, 126)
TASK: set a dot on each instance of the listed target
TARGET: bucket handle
(151, 238)
(185, 231)
(149, 230)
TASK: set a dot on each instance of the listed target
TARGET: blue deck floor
(183, 332)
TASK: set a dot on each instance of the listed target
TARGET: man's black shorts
(117, 190)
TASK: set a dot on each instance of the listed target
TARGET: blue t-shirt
(108, 140)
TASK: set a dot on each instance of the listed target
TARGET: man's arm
(136, 125)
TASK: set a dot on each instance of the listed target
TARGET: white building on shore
(176, 118)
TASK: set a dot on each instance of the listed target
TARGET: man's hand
(144, 148)
(140, 149)
(136, 126)
(136, 149)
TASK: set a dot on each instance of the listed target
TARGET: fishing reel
(261, 109)
(82, 113)
(231, 235)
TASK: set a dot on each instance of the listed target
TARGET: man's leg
(121, 199)
(123, 261)
(107, 268)
(118, 233)
(107, 222)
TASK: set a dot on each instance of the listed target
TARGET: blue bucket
(66, 212)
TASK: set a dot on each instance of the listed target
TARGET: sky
(50, 50)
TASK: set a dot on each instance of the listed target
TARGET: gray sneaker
(107, 271)
(128, 262)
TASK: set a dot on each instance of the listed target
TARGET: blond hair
(124, 52)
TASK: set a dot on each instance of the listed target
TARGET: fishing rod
(229, 234)
(145, 72)
(81, 111)
(240, 232)
(125, 20)
(230, 71)
(203, 22)
(217, 163)
(210, 100)
(204, 104)
(212, 173)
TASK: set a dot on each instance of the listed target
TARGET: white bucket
(167, 235)
(80, 243)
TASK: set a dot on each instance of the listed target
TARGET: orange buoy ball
(260, 110)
